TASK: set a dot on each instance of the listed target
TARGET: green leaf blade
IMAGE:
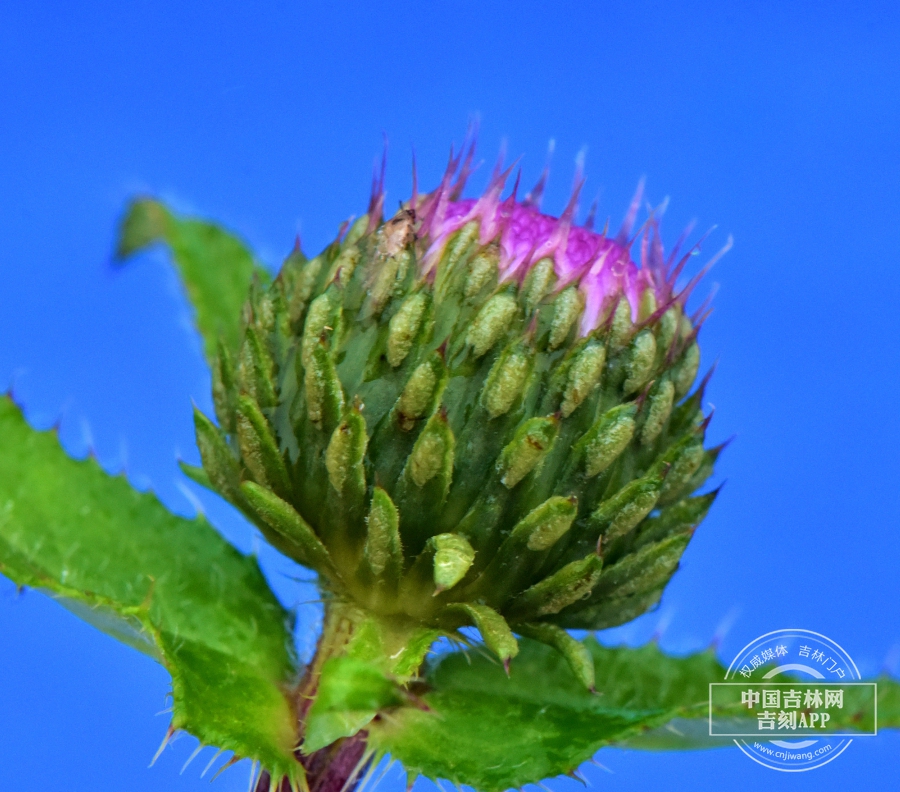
(215, 266)
(492, 732)
(170, 586)
(351, 692)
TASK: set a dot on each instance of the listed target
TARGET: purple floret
(603, 268)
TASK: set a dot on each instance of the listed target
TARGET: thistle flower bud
(473, 414)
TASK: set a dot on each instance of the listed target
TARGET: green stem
(396, 645)
(337, 767)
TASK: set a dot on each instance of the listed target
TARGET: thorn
(686, 291)
(88, 438)
(700, 320)
(253, 767)
(191, 758)
(191, 498)
(656, 316)
(515, 190)
(170, 733)
(592, 214)
(234, 760)
(434, 206)
(701, 388)
(663, 624)
(673, 253)
(671, 728)
(642, 232)
(11, 388)
(717, 450)
(506, 664)
(601, 766)
(699, 316)
(367, 755)
(384, 771)
(577, 775)
(724, 626)
(536, 195)
(376, 199)
(453, 163)
(373, 766)
(571, 207)
(631, 214)
(466, 170)
(212, 761)
(498, 166)
(297, 245)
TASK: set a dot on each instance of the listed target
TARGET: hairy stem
(340, 766)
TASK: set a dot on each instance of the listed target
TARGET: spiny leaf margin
(170, 586)
(493, 732)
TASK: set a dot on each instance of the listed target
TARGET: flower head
(472, 413)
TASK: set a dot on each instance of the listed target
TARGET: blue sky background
(778, 122)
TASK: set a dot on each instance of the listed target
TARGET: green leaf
(492, 732)
(380, 656)
(351, 692)
(216, 267)
(170, 586)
